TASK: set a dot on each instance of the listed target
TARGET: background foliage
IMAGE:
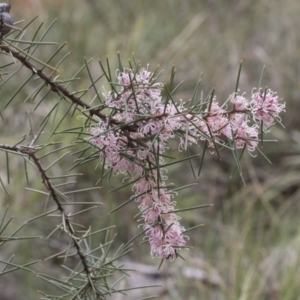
(250, 242)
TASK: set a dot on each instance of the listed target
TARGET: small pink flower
(215, 108)
(240, 103)
(165, 241)
(266, 107)
(216, 124)
(174, 235)
(143, 76)
(124, 78)
(225, 128)
(236, 120)
(246, 135)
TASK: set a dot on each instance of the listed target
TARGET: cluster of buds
(136, 140)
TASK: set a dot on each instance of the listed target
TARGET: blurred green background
(249, 247)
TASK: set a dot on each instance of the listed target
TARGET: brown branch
(58, 88)
(55, 87)
(30, 151)
(48, 185)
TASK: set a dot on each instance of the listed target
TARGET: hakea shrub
(134, 136)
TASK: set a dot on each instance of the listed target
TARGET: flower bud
(5, 19)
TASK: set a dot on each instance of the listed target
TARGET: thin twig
(55, 87)
(30, 151)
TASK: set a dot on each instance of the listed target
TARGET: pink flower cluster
(218, 126)
(139, 103)
(137, 139)
(265, 107)
(161, 225)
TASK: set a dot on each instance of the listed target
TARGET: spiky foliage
(128, 128)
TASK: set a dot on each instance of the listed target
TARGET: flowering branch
(140, 152)
(133, 137)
